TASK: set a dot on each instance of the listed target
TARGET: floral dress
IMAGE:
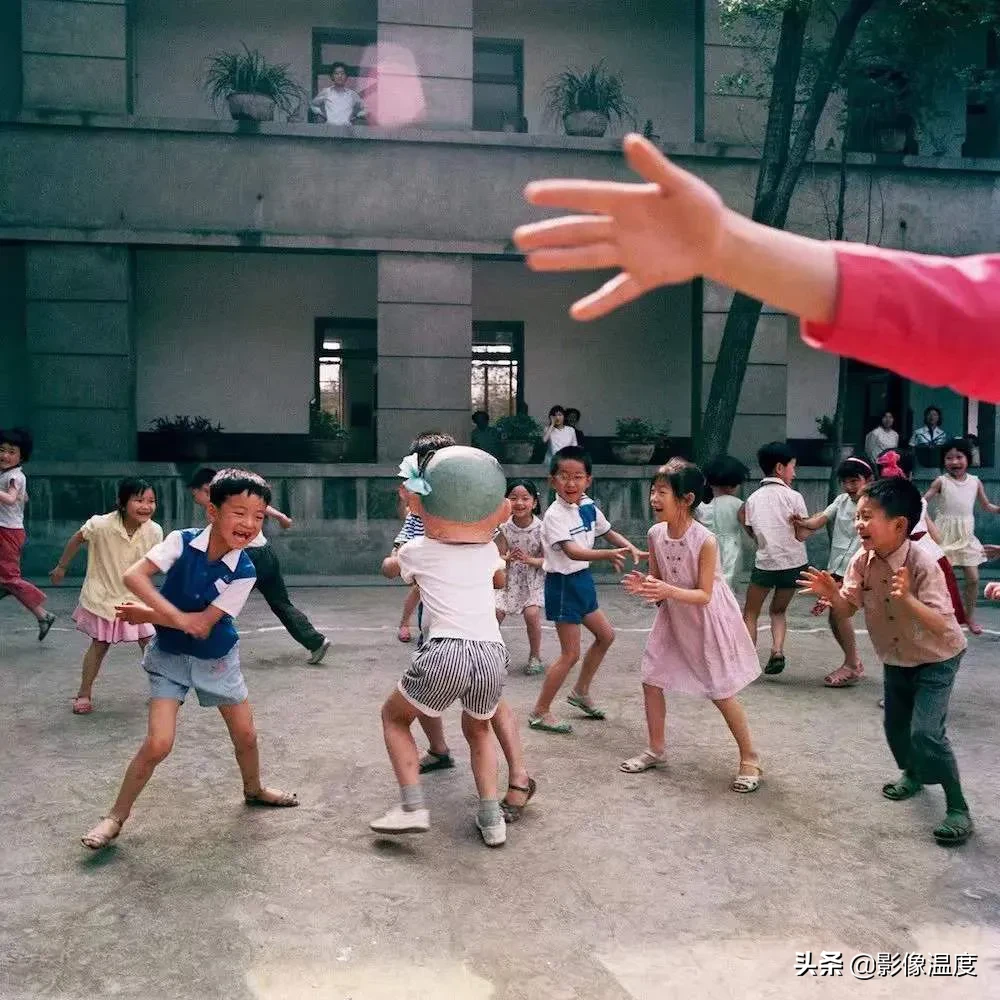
(525, 584)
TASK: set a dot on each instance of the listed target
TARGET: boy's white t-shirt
(769, 512)
(559, 438)
(456, 586)
(12, 515)
(580, 523)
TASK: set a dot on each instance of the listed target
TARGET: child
(270, 582)
(726, 476)
(769, 515)
(913, 629)
(854, 475)
(570, 528)
(524, 593)
(208, 579)
(557, 434)
(959, 490)
(457, 566)
(698, 644)
(115, 542)
(15, 450)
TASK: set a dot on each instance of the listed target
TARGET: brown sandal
(99, 836)
(511, 812)
(282, 800)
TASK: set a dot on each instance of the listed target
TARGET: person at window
(930, 433)
(484, 437)
(339, 104)
(883, 437)
(557, 435)
(573, 420)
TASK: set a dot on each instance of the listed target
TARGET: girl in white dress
(726, 476)
(957, 492)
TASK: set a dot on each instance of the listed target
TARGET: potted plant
(251, 86)
(634, 441)
(829, 455)
(184, 438)
(649, 132)
(520, 434)
(328, 436)
(585, 102)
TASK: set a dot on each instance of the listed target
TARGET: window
(346, 45)
(345, 375)
(330, 374)
(498, 85)
(879, 118)
(497, 361)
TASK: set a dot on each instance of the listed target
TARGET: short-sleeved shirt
(559, 438)
(769, 512)
(12, 515)
(194, 582)
(413, 527)
(898, 638)
(582, 524)
(456, 586)
(339, 107)
(110, 553)
(845, 540)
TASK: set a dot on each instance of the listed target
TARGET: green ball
(466, 484)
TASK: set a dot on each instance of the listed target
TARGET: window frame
(506, 46)
(516, 329)
(325, 325)
(363, 37)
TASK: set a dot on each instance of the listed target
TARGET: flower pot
(633, 452)
(518, 452)
(591, 123)
(328, 449)
(251, 107)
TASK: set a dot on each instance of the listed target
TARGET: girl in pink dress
(698, 644)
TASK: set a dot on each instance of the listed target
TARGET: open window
(497, 368)
(498, 85)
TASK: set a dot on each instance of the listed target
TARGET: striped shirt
(413, 527)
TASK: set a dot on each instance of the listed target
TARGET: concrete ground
(648, 887)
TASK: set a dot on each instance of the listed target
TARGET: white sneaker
(316, 656)
(397, 820)
(494, 835)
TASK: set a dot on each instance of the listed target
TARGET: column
(80, 351)
(437, 34)
(424, 348)
(74, 55)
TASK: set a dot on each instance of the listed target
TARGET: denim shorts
(570, 597)
(215, 682)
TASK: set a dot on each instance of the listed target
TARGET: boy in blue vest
(208, 579)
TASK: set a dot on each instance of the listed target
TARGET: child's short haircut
(201, 478)
(19, 437)
(429, 442)
(232, 482)
(481, 417)
(571, 453)
(958, 444)
(898, 497)
(770, 456)
(724, 470)
(132, 486)
(854, 467)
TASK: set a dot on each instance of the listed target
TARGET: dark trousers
(916, 707)
(271, 585)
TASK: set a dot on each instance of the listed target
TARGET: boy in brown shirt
(911, 621)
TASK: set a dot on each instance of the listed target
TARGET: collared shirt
(110, 554)
(925, 435)
(12, 515)
(879, 440)
(899, 638)
(769, 512)
(340, 107)
(845, 540)
(194, 582)
(582, 524)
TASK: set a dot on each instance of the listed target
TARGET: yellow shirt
(111, 553)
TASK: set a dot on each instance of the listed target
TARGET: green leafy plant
(519, 427)
(183, 424)
(248, 72)
(637, 430)
(826, 427)
(326, 425)
(595, 89)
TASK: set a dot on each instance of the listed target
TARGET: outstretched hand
(818, 582)
(663, 232)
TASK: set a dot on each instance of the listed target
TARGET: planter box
(251, 107)
(633, 452)
(590, 123)
(518, 452)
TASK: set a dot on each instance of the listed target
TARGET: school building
(158, 258)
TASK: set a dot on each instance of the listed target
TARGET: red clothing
(933, 319)
(11, 543)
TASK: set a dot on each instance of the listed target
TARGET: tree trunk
(833, 488)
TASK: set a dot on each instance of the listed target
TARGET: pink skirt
(102, 630)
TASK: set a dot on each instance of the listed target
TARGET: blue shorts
(215, 682)
(570, 597)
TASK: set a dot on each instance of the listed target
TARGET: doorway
(346, 380)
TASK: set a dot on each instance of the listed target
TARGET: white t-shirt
(927, 543)
(456, 586)
(845, 540)
(580, 523)
(559, 438)
(769, 512)
(12, 515)
(340, 107)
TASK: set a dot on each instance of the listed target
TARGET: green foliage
(519, 427)
(247, 72)
(594, 89)
(182, 424)
(638, 430)
(826, 427)
(326, 426)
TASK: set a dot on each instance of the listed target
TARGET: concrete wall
(812, 385)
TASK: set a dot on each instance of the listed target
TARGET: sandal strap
(518, 788)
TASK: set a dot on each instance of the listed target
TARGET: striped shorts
(445, 670)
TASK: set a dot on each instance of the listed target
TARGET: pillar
(424, 349)
(80, 351)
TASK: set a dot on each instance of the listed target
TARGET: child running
(208, 579)
(698, 644)
(15, 450)
(854, 475)
(769, 517)
(524, 593)
(726, 476)
(913, 629)
(571, 526)
(959, 490)
(114, 541)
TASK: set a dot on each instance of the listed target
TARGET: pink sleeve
(932, 319)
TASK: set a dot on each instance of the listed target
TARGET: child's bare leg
(397, 718)
(92, 661)
(160, 730)
(433, 727)
(656, 718)
(843, 631)
(748, 777)
(604, 635)
(409, 606)
(779, 623)
(555, 676)
(970, 593)
(483, 755)
(533, 624)
(243, 733)
(504, 724)
(754, 603)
